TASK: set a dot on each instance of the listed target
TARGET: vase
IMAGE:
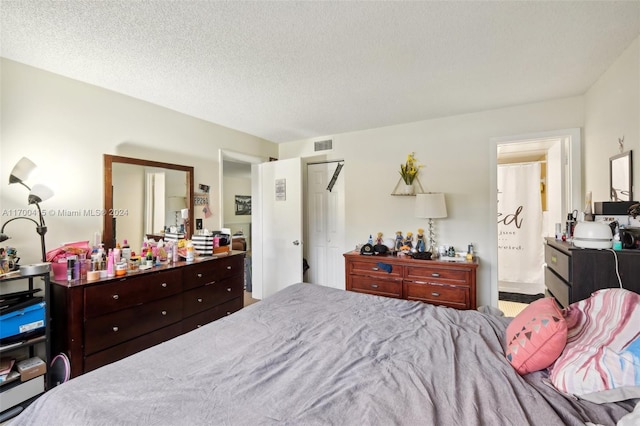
(406, 188)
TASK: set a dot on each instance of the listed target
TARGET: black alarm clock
(367, 249)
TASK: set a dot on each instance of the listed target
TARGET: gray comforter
(312, 355)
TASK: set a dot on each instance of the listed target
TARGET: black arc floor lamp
(37, 194)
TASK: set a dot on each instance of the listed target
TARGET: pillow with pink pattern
(601, 362)
(536, 336)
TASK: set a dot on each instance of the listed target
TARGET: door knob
(296, 243)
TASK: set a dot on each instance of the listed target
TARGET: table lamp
(432, 206)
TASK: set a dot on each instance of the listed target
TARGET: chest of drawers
(572, 274)
(450, 284)
(96, 323)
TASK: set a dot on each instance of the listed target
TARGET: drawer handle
(164, 285)
(116, 297)
(228, 288)
(554, 259)
(199, 275)
(374, 285)
(229, 267)
(228, 313)
(164, 312)
(200, 300)
(435, 274)
(375, 269)
(115, 328)
(435, 294)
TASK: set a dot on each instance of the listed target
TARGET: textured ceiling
(292, 70)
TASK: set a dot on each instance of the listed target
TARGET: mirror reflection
(145, 199)
(621, 177)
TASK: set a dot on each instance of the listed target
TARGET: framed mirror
(143, 197)
(621, 177)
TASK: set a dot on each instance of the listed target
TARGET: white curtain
(520, 249)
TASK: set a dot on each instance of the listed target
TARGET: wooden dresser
(445, 283)
(99, 322)
(572, 273)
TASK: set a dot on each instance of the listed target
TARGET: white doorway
(562, 153)
(325, 224)
(235, 179)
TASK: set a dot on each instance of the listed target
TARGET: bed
(312, 355)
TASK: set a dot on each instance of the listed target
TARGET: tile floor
(511, 309)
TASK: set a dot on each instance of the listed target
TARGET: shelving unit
(17, 395)
(417, 187)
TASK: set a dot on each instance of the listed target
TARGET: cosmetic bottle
(571, 223)
(190, 251)
(126, 251)
(117, 253)
(149, 257)
(174, 252)
(76, 270)
(617, 242)
(70, 267)
(111, 272)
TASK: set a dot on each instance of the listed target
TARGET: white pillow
(601, 361)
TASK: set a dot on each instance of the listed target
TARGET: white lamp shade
(431, 205)
(22, 170)
(176, 204)
(39, 193)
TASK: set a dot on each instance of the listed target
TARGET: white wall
(455, 151)
(612, 110)
(66, 126)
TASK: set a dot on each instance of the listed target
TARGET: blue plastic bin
(22, 320)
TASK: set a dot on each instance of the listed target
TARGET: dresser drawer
(130, 291)
(426, 274)
(557, 287)
(212, 294)
(117, 327)
(199, 274)
(439, 294)
(558, 261)
(374, 269)
(217, 312)
(380, 287)
(130, 347)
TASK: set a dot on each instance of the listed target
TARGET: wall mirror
(621, 177)
(143, 197)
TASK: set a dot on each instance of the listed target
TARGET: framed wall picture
(243, 205)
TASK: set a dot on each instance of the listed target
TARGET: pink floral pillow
(536, 336)
(601, 362)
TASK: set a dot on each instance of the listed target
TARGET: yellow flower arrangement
(409, 170)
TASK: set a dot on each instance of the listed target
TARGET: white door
(324, 242)
(276, 226)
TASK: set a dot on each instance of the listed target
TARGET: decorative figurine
(379, 239)
(420, 242)
(408, 241)
(399, 239)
